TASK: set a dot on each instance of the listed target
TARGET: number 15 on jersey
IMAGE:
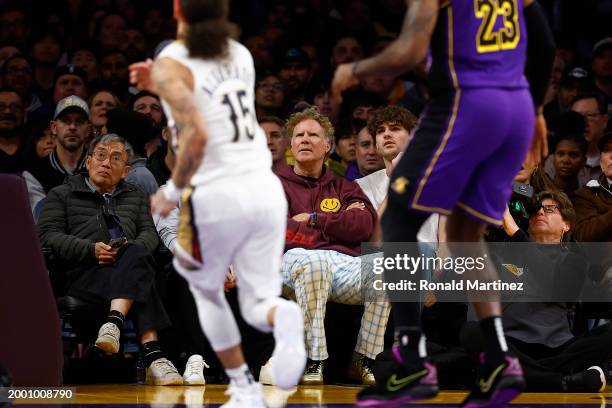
(242, 118)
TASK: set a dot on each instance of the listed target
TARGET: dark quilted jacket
(72, 219)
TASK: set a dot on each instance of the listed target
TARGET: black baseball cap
(295, 55)
(574, 76)
(70, 70)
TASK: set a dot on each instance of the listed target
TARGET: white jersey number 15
(241, 116)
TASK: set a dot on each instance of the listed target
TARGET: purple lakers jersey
(479, 43)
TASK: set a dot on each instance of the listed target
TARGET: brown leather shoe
(313, 374)
(360, 371)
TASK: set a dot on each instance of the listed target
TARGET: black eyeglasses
(116, 159)
(548, 208)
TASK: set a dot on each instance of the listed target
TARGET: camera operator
(528, 182)
(538, 332)
(549, 224)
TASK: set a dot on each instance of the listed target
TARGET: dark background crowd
(54, 49)
(64, 82)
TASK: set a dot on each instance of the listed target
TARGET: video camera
(521, 205)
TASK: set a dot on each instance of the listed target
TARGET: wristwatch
(312, 219)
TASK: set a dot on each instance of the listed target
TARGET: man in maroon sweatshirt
(329, 217)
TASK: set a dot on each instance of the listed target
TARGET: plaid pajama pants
(312, 277)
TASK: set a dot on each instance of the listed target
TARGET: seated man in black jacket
(101, 226)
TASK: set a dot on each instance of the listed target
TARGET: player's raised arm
(408, 49)
(174, 84)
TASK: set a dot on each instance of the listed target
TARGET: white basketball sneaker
(194, 370)
(289, 356)
(265, 374)
(163, 372)
(248, 396)
(108, 338)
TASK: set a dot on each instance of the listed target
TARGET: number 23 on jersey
(506, 37)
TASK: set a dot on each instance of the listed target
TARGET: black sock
(494, 339)
(116, 317)
(400, 225)
(151, 352)
(409, 338)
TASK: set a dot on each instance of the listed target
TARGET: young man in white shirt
(392, 127)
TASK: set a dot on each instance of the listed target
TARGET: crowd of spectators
(91, 148)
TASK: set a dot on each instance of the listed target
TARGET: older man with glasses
(102, 227)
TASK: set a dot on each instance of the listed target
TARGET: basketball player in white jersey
(233, 206)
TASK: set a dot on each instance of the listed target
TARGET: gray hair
(109, 138)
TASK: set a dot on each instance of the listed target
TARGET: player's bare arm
(410, 47)
(401, 55)
(174, 83)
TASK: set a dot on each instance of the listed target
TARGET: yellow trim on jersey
(185, 231)
(427, 208)
(449, 129)
(478, 214)
(451, 49)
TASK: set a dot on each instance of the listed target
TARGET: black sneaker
(590, 380)
(400, 384)
(496, 385)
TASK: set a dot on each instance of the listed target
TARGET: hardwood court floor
(314, 396)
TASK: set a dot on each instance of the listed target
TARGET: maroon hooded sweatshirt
(335, 228)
